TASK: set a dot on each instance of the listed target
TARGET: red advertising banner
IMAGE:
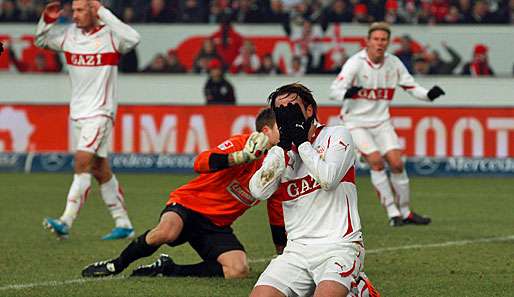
(444, 132)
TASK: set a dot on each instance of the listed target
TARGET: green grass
(461, 209)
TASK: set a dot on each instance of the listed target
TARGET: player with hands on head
(366, 85)
(312, 173)
(202, 211)
(92, 46)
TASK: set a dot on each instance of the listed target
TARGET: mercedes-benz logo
(426, 166)
(53, 162)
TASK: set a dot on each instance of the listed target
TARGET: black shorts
(207, 239)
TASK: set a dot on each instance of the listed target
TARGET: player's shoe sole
(100, 269)
(60, 229)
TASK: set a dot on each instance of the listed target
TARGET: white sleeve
(266, 180)
(407, 82)
(338, 158)
(46, 37)
(125, 37)
(344, 79)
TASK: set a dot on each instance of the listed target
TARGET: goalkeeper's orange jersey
(223, 195)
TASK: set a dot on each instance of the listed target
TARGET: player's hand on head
(352, 92)
(95, 6)
(53, 10)
(435, 92)
(255, 147)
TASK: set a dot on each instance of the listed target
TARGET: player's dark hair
(295, 88)
(266, 117)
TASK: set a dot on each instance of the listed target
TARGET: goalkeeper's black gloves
(285, 141)
(435, 92)
(292, 123)
(351, 92)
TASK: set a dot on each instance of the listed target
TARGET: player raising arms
(366, 84)
(92, 47)
(315, 180)
(202, 211)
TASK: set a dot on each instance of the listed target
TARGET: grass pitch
(468, 250)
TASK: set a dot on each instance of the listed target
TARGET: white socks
(400, 182)
(76, 197)
(113, 198)
(381, 182)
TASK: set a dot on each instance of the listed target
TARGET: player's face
(82, 15)
(377, 44)
(273, 134)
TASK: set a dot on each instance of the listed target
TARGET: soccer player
(366, 85)
(315, 180)
(92, 47)
(202, 211)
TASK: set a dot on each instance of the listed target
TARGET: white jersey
(92, 60)
(370, 107)
(316, 186)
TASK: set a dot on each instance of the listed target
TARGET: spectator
(27, 11)
(9, 12)
(391, 13)
(375, 8)
(338, 12)
(206, 54)
(217, 89)
(307, 45)
(360, 14)
(268, 66)
(479, 65)
(174, 65)
(193, 12)
(335, 59)
(66, 16)
(159, 64)
(129, 15)
(298, 66)
(41, 61)
(276, 14)
(405, 52)
(227, 41)
(158, 12)
(440, 9)
(425, 14)
(440, 66)
(216, 12)
(453, 16)
(247, 61)
(247, 12)
(420, 65)
(480, 14)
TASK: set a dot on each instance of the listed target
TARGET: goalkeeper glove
(256, 146)
(352, 92)
(435, 92)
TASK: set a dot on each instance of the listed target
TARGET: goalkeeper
(202, 211)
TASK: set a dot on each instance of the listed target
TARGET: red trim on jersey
(65, 36)
(95, 30)
(297, 188)
(112, 43)
(408, 87)
(328, 142)
(92, 60)
(94, 139)
(104, 101)
(350, 228)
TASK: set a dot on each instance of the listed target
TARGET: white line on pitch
(371, 251)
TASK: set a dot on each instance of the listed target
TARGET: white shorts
(301, 268)
(381, 138)
(92, 135)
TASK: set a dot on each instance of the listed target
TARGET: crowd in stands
(323, 12)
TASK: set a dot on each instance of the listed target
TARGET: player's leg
(112, 195)
(330, 288)
(365, 143)
(222, 253)
(80, 186)
(390, 147)
(266, 291)
(168, 230)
